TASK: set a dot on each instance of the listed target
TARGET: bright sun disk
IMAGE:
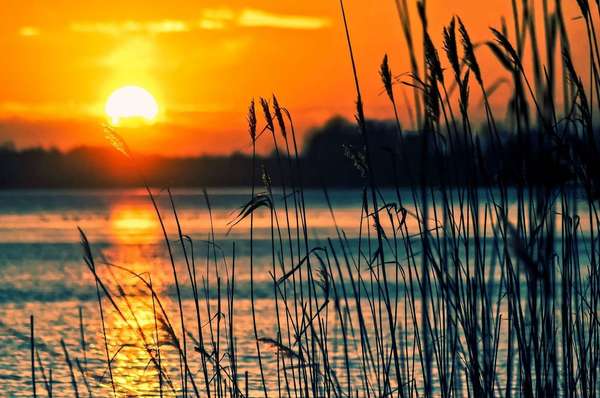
(131, 102)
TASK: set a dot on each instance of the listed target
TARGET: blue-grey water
(43, 273)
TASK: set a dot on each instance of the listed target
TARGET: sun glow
(131, 103)
(134, 224)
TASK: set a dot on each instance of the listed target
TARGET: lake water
(42, 273)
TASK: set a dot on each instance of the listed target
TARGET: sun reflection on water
(132, 224)
(136, 332)
(133, 341)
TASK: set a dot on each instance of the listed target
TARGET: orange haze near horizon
(203, 62)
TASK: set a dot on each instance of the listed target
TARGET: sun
(131, 103)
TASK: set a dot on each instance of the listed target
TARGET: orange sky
(203, 61)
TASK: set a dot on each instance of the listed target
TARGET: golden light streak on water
(134, 224)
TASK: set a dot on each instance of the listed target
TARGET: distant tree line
(333, 156)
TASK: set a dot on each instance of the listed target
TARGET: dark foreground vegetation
(486, 288)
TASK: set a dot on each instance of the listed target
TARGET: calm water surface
(42, 273)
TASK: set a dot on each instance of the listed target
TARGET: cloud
(210, 24)
(259, 18)
(216, 18)
(211, 19)
(118, 28)
(254, 18)
(29, 31)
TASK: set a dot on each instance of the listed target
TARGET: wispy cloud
(210, 19)
(29, 31)
(259, 18)
(211, 24)
(117, 28)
